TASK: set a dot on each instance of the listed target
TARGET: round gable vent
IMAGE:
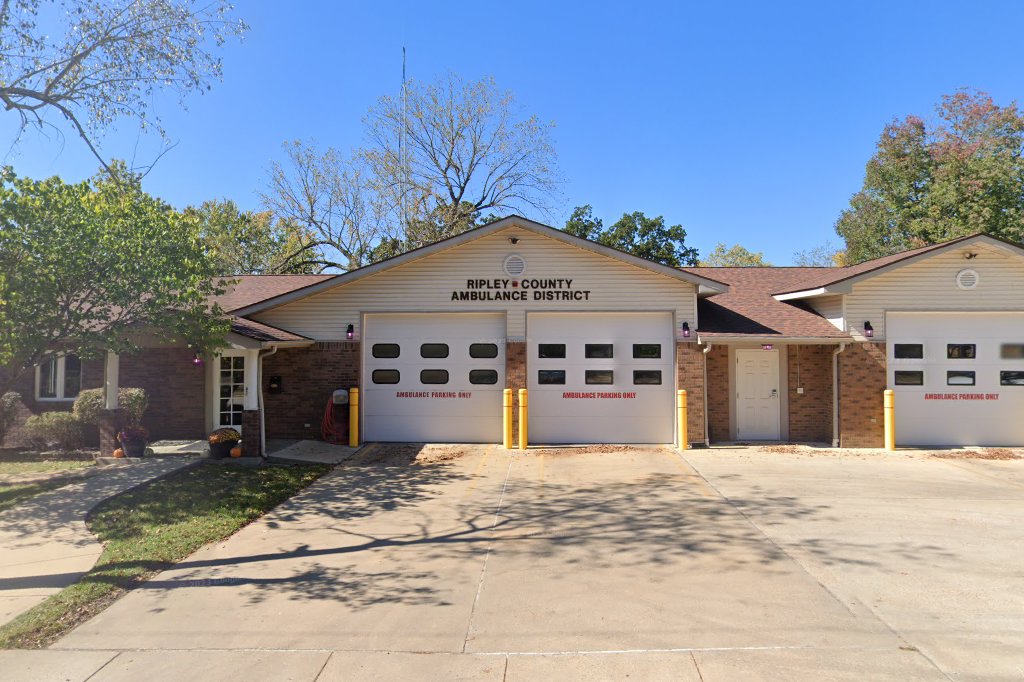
(967, 279)
(514, 265)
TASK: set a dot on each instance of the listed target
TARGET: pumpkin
(119, 453)
(236, 451)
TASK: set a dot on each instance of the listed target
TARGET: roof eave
(708, 285)
(755, 338)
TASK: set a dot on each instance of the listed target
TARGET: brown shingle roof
(749, 309)
(263, 332)
(249, 289)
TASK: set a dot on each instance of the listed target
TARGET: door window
(551, 376)
(386, 376)
(647, 377)
(600, 376)
(960, 351)
(908, 351)
(1012, 351)
(646, 351)
(959, 378)
(434, 376)
(434, 350)
(483, 350)
(1011, 378)
(909, 378)
(386, 350)
(483, 376)
(550, 350)
(598, 351)
(232, 390)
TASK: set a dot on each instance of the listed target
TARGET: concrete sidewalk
(44, 543)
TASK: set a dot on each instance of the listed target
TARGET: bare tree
(453, 150)
(333, 199)
(108, 60)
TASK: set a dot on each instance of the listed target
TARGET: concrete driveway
(713, 565)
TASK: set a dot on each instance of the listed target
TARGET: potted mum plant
(133, 440)
(221, 442)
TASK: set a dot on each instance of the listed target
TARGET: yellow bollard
(681, 416)
(507, 418)
(889, 403)
(353, 418)
(523, 418)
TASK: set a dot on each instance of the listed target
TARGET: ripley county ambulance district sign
(537, 289)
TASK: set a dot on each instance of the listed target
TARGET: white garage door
(601, 377)
(958, 377)
(433, 378)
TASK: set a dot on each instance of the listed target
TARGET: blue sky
(744, 122)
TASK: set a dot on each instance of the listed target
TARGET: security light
(350, 332)
(869, 331)
(686, 330)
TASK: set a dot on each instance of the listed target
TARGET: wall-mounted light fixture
(196, 360)
(350, 332)
(686, 330)
(869, 331)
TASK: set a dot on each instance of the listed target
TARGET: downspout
(259, 397)
(707, 433)
(835, 393)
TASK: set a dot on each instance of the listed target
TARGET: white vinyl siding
(426, 285)
(829, 307)
(931, 285)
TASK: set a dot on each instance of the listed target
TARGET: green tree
(734, 256)
(95, 62)
(89, 266)
(254, 243)
(635, 233)
(931, 182)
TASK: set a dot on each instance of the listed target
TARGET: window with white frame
(59, 377)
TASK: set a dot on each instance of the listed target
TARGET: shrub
(60, 429)
(89, 404)
(9, 403)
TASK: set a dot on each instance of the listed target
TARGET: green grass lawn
(149, 529)
(42, 466)
(13, 494)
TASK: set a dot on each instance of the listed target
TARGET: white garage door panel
(455, 412)
(621, 412)
(936, 413)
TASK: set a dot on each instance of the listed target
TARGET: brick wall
(719, 394)
(690, 366)
(175, 388)
(309, 376)
(862, 379)
(92, 377)
(515, 378)
(810, 414)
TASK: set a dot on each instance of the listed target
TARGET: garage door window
(1011, 378)
(907, 378)
(483, 350)
(551, 376)
(1012, 351)
(908, 351)
(957, 378)
(434, 350)
(434, 376)
(600, 376)
(598, 351)
(647, 377)
(550, 350)
(960, 351)
(386, 350)
(386, 376)
(646, 351)
(483, 376)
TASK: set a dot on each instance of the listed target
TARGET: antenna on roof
(403, 147)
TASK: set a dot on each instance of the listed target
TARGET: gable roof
(705, 285)
(261, 331)
(749, 309)
(245, 290)
(817, 284)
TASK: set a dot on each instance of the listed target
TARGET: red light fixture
(686, 330)
(350, 332)
(869, 331)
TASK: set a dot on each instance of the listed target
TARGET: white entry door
(231, 390)
(757, 395)
(601, 377)
(434, 378)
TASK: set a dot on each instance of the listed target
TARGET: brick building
(602, 340)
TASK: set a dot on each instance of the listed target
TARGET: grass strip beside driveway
(151, 528)
(42, 467)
